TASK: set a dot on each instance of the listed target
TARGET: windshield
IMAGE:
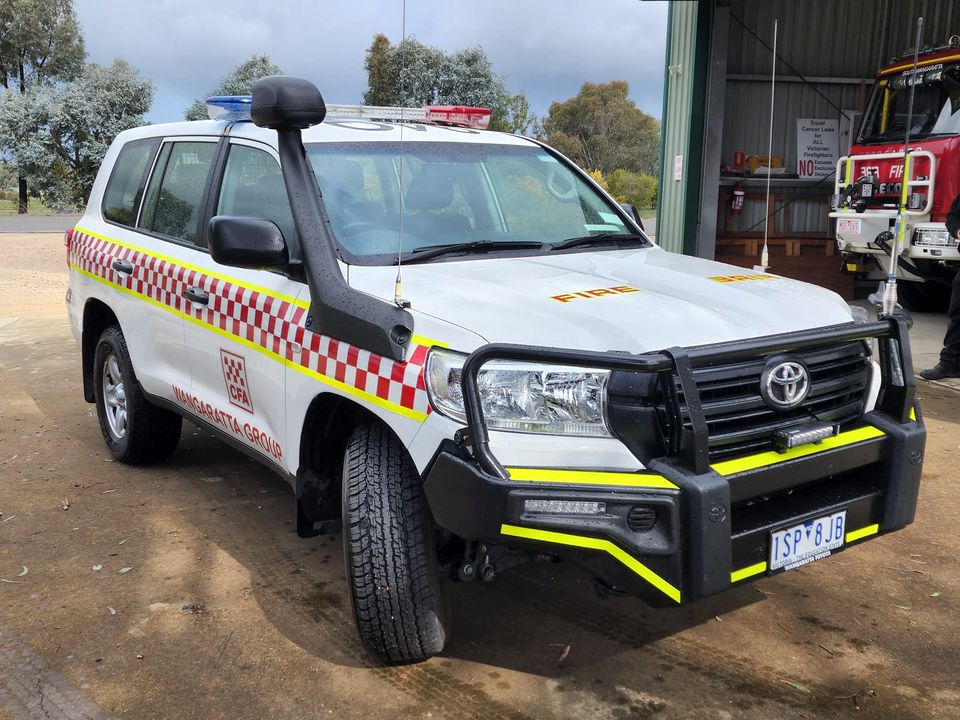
(936, 105)
(452, 193)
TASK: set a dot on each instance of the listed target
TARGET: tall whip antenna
(398, 283)
(890, 290)
(765, 256)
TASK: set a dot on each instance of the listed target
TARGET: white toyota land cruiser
(546, 380)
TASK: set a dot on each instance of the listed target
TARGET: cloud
(547, 49)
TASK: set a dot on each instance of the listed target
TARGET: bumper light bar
(564, 507)
(786, 439)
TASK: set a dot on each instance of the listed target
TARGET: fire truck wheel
(136, 432)
(924, 296)
(390, 552)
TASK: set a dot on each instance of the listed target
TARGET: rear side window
(175, 192)
(121, 200)
(253, 187)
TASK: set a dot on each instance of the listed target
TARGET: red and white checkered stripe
(274, 324)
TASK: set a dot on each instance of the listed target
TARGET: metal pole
(890, 290)
(764, 256)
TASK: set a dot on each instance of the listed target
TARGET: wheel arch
(97, 317)
(327, 426)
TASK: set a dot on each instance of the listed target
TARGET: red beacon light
(459, 116)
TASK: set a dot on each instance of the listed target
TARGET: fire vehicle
(545, 380)
(876, 177)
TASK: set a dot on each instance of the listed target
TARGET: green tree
(638, 189)
(381, 88)
(602, 128)
(411, 74)
(59, 135)
(238, 81)
(40, 43)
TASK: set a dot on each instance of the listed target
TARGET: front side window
(121, 199)
(175, 192)
(936, 105)
(253, 187)
(382, 200)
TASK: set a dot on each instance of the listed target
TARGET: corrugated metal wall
(678, 93)
(821, 39)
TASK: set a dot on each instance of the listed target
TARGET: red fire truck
(876, 177)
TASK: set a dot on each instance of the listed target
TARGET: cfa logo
(235, 376)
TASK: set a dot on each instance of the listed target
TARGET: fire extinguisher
(736, 201)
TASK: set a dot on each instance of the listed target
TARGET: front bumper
(712, 520)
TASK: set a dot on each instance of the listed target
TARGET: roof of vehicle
(332, 130)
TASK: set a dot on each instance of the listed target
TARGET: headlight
(523, 397)
(931, 236)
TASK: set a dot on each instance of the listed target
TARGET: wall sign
(816, 147)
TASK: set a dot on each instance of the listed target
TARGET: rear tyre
(135, 431)
(923, 296)
(390, 552)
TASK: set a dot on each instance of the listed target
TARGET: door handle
(196, 295)
(122, 266)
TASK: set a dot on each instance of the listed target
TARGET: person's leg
(950, 355)
(949, 365)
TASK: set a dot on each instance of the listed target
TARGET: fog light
(564, 507)
(786, 439)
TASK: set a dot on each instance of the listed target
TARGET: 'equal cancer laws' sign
(816, 147)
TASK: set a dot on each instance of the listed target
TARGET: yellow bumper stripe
(590, 543)
(744, 573)
(752, 462)
(591, 477)
(862, 533)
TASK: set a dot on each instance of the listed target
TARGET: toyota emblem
(784, 384)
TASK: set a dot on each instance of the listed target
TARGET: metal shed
(717, 86)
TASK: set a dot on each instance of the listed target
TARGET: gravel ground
(182, 591)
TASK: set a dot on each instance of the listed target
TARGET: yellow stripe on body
(862, 533)
(332, 382)
(590, 477)
(428, 342)
(752, 462)
(920, 63)
(744, 573)
(591, 543)
(197, 268)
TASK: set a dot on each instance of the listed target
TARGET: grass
(9, 207)
(648, 214)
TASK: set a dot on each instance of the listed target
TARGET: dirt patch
(182, 591)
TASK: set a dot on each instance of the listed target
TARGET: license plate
(806, 542)
(849, 226)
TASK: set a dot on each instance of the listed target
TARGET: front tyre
(135, 431)
(930, 296)
(390, 551)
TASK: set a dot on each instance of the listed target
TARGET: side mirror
(246, 242)
(281, 102)
(632, 212)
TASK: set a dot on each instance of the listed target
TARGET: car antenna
(765, 256)
(398, 283)
(890, 289)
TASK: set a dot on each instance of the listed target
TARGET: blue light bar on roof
(229, 108)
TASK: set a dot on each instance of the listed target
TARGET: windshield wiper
(597, 239)
(475, 246)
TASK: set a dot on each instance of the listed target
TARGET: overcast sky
(547, 48)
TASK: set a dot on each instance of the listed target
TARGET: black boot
(942, 370)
